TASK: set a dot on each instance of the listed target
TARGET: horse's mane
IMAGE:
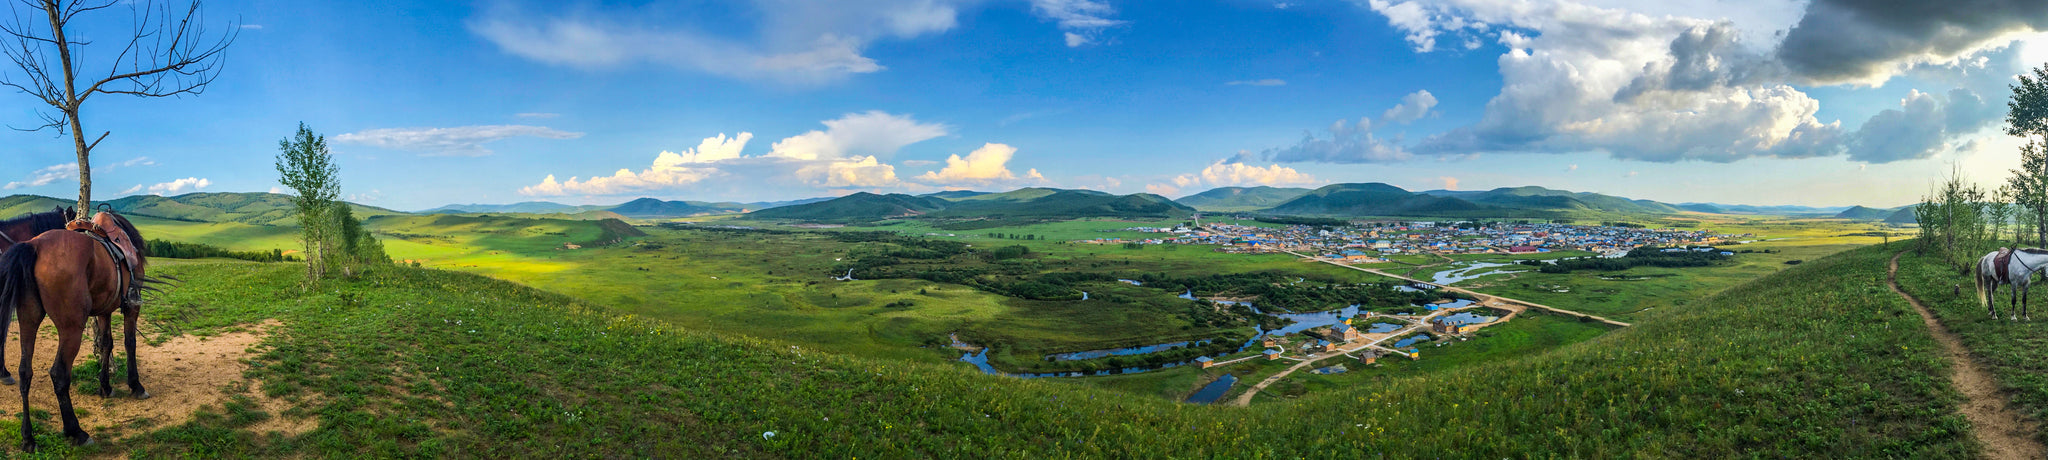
(2035, 251)
(39, 222)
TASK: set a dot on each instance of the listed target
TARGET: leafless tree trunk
(168, 54)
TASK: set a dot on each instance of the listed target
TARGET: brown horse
(70, 276)
(22, 229)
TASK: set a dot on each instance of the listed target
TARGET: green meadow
(516, 369)
(782, 286)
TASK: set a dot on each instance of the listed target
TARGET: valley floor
(1819, 360)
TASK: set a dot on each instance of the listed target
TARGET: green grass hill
(1539, 198)
(245, 208)
(410, 362)
(653, 208)
(1033, 203)
(529, 207)
(1227, 199)
(1903, 216)
(1373, 199)
(16, 205)
(1863, 213)
(955, 194)
(1065, 204)
(858, 206)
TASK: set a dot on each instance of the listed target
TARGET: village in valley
(1370, 241)
(1315, 341)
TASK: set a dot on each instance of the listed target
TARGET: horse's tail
(17, 279)
(1982, 299)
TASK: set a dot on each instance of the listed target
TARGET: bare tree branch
(168, 53)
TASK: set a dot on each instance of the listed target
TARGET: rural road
(2004, 433)
(1483, 298)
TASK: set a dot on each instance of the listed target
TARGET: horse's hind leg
(103, 349)
(69, 337)
(130, 316)
(6, 378)
(29, 323)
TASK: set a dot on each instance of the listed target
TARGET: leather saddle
(2002, 263)
(131, 292)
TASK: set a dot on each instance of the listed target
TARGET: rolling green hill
(1544, 199)
(955, 194)
(247, 208)
(653, 208)
(1241, 198)
(529, 207)
(858, 206)
(1032, 203)
(1863, 213)
(244, 208)
(1044, 203)
(1903, 216)
(23, 204)
(1373, 199)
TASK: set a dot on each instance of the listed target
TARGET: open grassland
(2011, 350)
(1640, 293)
(1819, 360)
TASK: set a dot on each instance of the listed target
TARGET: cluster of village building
(1367, 241)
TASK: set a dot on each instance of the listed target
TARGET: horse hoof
(28, 447)
(82, 440)
(8, 380)
(141, 395)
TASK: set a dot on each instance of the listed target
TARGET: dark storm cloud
(1864, 40)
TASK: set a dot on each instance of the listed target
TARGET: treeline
(180, 250)
(1296, 293)
(1646, 256)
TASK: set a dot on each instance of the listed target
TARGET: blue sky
(1812, 103)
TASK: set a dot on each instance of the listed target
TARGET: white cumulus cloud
(180, 185)
(847, 154)
(986, 165)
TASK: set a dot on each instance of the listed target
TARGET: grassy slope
(2011, 349)
(1817, 361)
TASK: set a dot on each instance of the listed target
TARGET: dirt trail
(182, 374)
(2004, 432)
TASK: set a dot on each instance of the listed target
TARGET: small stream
(1213, 391)
(1092, 354)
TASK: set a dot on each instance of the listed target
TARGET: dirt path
(181, 374)
(2003, 431)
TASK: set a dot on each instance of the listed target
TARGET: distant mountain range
(1717, 208)
(1335, 200)
(1228, 199)
(645, 208)
(1036, 203)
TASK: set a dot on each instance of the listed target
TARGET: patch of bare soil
(2004, 432)
(182, 375)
